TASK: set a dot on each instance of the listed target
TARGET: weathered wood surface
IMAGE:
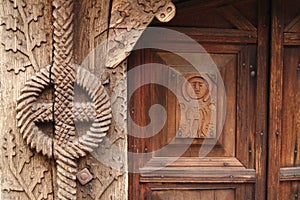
(284, 123)
(36, 34)
(26, 47)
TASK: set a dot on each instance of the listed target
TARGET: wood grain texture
(193, 195)
(275, 106)
(63, 144)
(23, 51)
(261, 124)
(236, 18)
(106, 21)
(242, 58)
(200, 191)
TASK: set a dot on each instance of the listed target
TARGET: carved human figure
(197, 88)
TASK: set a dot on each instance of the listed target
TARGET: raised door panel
(232, 156)
(193, 195)
(156, 191)
(290, 137)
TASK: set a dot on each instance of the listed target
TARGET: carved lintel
(128, 21)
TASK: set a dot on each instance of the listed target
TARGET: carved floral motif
(18, 161)
(128, 21)
(152, 5)
(65, 146)
(19, 41)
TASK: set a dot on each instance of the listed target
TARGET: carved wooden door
(236, 35)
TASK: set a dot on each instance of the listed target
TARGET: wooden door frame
(263, 53)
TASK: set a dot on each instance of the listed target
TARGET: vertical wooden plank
(140, 103)
(229, 74)
(245, 109)
(288, 190)
(297, 114)
(133, 78)
(250, 192)
(261, 98)
(161, 95)
(252, 100)
(275, 109)
(224, 195)
(148, 99)
(289, 107)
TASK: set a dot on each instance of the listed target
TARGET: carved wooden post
(65, 146)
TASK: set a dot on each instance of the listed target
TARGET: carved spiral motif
(27, 115)
(29, 112)
(65, 146)
(102, 107)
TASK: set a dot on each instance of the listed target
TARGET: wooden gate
(255, 45)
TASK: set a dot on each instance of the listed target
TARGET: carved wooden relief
(47, 98)
(20, 39)
(67, 147)
(128, 20)
(25, 46)
(25, 177)
(198, 122)
(110, 182)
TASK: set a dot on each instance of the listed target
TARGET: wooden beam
(262, 99)
(236, 18)
(294, 25)
(290, 174)
(198, 175)
(275, 108)
(291, 38)
(203, 4)
(215, 35)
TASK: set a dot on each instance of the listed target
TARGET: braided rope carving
(29, 113)
(65, 151)
(64, 76)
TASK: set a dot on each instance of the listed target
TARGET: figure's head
(200, 88)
